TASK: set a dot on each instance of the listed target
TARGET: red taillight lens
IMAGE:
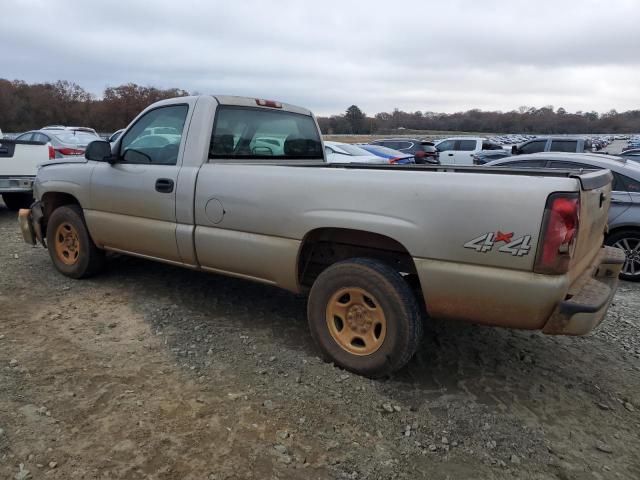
(52, 153)
(70, 151)
(394, 160)
(420, 154)
(559, 233)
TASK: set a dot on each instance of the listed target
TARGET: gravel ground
(150, 371)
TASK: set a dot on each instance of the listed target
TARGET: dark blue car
(395, 157)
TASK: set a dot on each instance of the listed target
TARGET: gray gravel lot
(150, 371)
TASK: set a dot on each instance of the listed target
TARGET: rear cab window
(247, 133)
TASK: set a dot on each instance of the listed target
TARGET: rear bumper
(588, 299)
(16, 184)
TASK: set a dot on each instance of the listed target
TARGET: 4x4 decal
(517, 247)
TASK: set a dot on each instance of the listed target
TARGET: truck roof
(238, 102)
(254, 102)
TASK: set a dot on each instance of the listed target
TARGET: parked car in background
(631, 154)
(486, 156)
(624, 213)
(395, 157)
(460, 150)
(72, 129)
(339, 152)
(19, 162)
(115, 135)
(553, 144)
(424, 151)
(65, 142)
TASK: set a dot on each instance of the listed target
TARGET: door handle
(451, 154)
(164, 185)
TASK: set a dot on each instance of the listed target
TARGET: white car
(338, 152)
(460, 150)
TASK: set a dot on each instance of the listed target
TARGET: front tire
(364, 317)
(70, 247)
(629, 241)
(17, 200)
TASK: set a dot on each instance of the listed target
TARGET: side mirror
(99, 151)
(514, 150)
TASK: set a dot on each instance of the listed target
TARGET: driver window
(155, 137)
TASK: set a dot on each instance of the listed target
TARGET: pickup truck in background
(553, 144)
(465, 150)
(18, 166)
(373, 246)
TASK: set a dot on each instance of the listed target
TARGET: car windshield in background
(74, 137)
(386, 151)
(255, 133)
(354, 150)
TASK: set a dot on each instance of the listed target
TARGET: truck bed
(589, 179)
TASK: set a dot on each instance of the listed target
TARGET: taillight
(52, 153)
(420, 154)
(559, 233)
(70, 151)
(394, 160)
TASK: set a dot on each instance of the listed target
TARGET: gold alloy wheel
(356, 321)
(67, 244)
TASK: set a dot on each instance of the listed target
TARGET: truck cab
(461, 150)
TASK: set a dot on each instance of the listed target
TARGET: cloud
(431, 56)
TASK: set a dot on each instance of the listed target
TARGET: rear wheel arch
(323, 247)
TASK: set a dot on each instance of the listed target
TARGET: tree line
(26, 106)
(525, 119)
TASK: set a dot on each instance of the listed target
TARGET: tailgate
(595, 198)
(21, 158)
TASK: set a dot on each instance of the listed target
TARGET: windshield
(352, 149)
(75, 137)
(379, 149)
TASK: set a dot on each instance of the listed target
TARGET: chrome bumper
(586, 304)
(16, 184)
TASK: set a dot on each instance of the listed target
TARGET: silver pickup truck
(241, 187)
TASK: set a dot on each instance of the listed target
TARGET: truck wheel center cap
(359, 319)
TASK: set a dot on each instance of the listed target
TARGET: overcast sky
(431, 55)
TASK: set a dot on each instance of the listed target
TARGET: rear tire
(16, 201)
(71, 249)
(629, 241)
(364, 317)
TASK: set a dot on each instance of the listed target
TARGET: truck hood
(57, 161)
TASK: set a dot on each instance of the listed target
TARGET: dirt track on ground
(149, 371)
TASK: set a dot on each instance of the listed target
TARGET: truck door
(133, 200)
(447, 151)
(464, 150)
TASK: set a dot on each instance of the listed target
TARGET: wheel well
(623, 228)
(53, 200)
(326, 246)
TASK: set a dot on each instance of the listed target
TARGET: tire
(70, 247)
(364, 317)
(629, 241)
(16, 201)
